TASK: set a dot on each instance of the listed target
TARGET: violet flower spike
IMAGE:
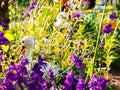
(113, 16)
(107, 29)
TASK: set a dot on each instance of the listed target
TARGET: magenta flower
(31, 7)
(76, 15)
(0, 67)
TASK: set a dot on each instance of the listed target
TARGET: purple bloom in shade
(41, 61)
(51, 74)
(31, 7)
(5, 26)
(87, 1)
(33, 1)
(96, 83)
(27, 15)
(81, 84)
(76, 15)
(3, 40)
(102, 44)
(1, 57)
(22, 70)
(0, 68)
(80, 43)
(69, 81)
(87, 57)
(107, 29)
(113, 16)
(76, 61)
(7, 85)
(10, 76)
(24, 61)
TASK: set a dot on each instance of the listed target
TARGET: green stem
(97, 43)
(92, 64)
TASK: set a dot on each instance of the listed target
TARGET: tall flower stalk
(91, 67)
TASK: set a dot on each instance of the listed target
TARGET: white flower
(60, 19)
(56, 1)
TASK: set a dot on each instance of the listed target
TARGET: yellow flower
(89, 11)
(109, 7)
(78, 3)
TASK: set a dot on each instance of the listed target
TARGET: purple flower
(76, 61)
(51, 74)
(81, 84)
(76, 15)
(3, 40)
(5, 26)
(87, 1)
(7, 85)
(107, 29)
(24, 61)
(21, 70)
(96, 83)
(10, 76)
(33, 1)
(69, 81)
(0, 68)
(113, 16)
(1, 58)
(31, 7)
(102, 44)
(80, 43)
(87, 57)
(27, 15)
(41, 61)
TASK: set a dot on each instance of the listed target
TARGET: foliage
(84, 37)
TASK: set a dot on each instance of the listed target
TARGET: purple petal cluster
(102, 44)
(1, 59)
(51, 74)
(24, 61)
(97, 83)
(30, 8)
(76, 61)
(113, 16)
(36, 81)
(87, 1)
(107, 29)
(80, 43)
(41, 61)
(27, 15)
(76, 15)
(69, 81)
(3, 40)
(15, 76)
(5, 26)
(81, 84)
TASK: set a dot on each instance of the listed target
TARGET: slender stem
(92, 64)
(98, 38)
(64, 71)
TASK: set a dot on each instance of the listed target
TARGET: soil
(115, 78)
